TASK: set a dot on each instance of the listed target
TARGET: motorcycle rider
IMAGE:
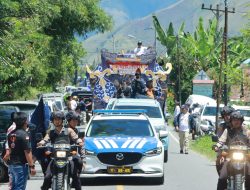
(73, 119)
(237, 132)
(225, 114)
(59, 132)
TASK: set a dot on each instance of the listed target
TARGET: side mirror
(39, 137)
(163, 134)
(215, 138)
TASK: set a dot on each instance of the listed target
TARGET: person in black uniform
(60, 132)
(225, 114)
(73, 119)
(138, 87)
(20, 160)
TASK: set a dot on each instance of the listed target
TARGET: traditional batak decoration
(159, 74)
(104, 89)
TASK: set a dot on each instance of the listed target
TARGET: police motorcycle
(237, 155)
(61, 155)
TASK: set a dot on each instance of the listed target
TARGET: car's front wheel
(165, 156)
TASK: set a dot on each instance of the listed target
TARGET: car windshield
(152, 112)
(210, 111)
(59, 105)
(121, 127)
(245, 113)
(5, 119)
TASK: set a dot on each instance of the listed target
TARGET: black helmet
(226, 110)
(72, 115)
(236, 115)
(57, 114)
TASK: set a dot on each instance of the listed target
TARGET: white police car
(122, 143)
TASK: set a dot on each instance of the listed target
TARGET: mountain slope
(187, 11)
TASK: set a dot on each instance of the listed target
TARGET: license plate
(120, 170)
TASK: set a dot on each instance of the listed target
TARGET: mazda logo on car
(119, 156)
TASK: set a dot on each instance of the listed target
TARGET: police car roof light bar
(123, 111)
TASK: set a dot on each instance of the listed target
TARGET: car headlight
(154, 152)
(90, 153)
(238, 156)
(60, 154)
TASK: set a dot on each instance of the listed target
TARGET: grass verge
(203, 145)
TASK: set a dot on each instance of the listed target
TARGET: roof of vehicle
(120, 114)
(19, 102)
(194, 98)
(138, 102)
(52, 95)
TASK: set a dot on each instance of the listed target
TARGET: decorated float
(118, 68)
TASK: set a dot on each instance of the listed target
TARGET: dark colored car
(5, 122)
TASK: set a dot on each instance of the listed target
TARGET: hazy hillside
(125, 10)
(187, 11)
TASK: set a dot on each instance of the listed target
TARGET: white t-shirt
(140, 51)
(73, 105)
(184, 122)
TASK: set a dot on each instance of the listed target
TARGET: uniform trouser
(184, 140)
(18, 176)
(222, 181)
(75, 170)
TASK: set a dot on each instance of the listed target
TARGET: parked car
(208, 117)
(199, 99)
(122, 143)
(5, 122)
(154, 113)
(25, 106)
(245, 110)
(55, 101)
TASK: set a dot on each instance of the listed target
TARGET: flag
(40, 118)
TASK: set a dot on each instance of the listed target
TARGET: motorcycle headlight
(60, 154)
(238, 156)
(154, 152)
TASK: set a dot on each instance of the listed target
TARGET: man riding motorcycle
(60, 132)
(237, 132)
(225, 114)
(73, 119)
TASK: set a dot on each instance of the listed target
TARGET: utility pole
(179, 68)
(223, 54)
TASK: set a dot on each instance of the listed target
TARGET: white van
(199, 99)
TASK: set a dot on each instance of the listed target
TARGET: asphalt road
(182, 172)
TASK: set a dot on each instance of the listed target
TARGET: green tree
(38, 48)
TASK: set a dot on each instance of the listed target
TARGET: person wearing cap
(235, 133)
(140, 50)
(184, 124)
